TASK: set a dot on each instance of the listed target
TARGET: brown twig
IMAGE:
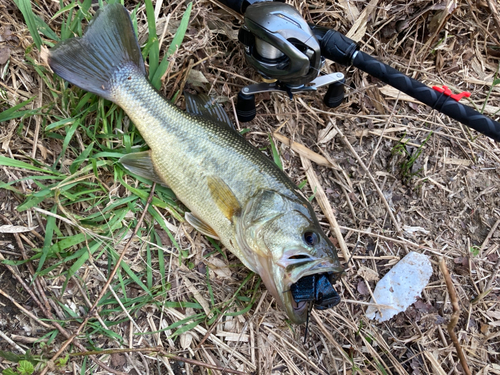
(322, 200)
(161, 351)
(455, 315)
(91, 312)
(365, 169)
(49, 315)
(488, 237)
(28, 313)
(304, 151)
(487, 288)
(494, 11)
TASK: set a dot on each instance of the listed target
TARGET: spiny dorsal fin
(140, 163)
(200, 226)
(204, 106)
(223, 197)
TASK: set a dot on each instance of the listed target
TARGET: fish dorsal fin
(140, 163)
(224, 197)
(200, 225)
(204, 106)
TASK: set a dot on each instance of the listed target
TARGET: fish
(234, 193)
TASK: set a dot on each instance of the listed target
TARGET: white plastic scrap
(400, 287)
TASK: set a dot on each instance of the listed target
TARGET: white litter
(400, 287)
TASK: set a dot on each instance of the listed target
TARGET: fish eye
(311, 238)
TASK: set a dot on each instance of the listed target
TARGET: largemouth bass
(235, 193)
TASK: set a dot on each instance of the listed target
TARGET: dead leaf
(15, 229)
(327, 134)
(305, 152)
(219, 267)
(424, 307)
(362, 288)
(493, 314)
(358, 30)
(4, 55)
(196, 78)
(6, 34)
(440, 18)
(197, 296)
(350, 9)
(118, 360)
(368, 274)
(411, 230)
(185, 340)
(463, 162)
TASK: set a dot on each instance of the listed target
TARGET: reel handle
(245, 107)
(335, 94)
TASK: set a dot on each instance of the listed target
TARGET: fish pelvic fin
(224, 197)
(141, 164)
(200, 225)
(108, 44)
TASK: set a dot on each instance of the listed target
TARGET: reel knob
(245, 107)
(335, 94)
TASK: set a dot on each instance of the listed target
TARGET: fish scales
(235, 193)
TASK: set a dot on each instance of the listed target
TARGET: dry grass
(378, 193)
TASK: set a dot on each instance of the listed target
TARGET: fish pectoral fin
(140, 163)
(200, 225)
(204, 106)
(224, 197)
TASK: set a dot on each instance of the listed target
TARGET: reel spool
(279, 44)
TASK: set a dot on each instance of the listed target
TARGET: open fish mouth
(317, 289)
(298, 306)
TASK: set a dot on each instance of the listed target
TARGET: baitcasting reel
(281, 46)
(289, 53)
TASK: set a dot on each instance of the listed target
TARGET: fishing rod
(287, 50)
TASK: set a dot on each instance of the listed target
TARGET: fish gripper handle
(433, 98)
(339, 48)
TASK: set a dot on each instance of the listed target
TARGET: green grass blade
(65, 9)
(80, 159)
(12, 112)
(8, 162)
(29, 17)
(49, 233)
(176, 42)
(69, 135)
(276, 154)
(154, 45)
(149, 267)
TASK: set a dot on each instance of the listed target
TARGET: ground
(398, 176)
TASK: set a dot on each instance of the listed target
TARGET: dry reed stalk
(455, 316)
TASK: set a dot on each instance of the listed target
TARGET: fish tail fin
(108, 46)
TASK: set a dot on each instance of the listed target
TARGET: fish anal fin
(224, 197)
(140, 163)
(200, 225)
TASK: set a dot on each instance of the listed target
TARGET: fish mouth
(296, 311)
(298, 307)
